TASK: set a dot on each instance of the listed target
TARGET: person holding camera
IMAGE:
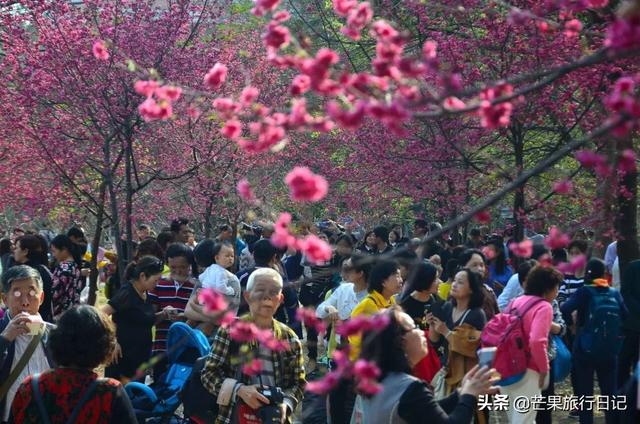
(275, 391)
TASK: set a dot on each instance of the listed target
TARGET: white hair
(266, 273)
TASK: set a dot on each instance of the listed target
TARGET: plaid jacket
(221, 364)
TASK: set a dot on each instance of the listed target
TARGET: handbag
(562, 362)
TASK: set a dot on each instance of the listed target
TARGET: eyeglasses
(32, 294)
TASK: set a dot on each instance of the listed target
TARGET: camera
(271, 413)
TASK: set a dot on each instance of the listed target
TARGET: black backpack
(198, 403)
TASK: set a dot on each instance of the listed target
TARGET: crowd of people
(445, 301)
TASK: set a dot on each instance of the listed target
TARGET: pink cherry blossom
(100, 50)
(453, 103)
(369, 387)
(145, 88)
(169, 92)
(277, 345)
(226, 106)
(343, 7)
(243, 331)
(212, 300)
(382, 30)
(362, 323)
(358, 18)
(429, 50)
(365, 370)
(193, 112)
(315, 249)
(495, 115)
(245, 191)
(227, 319)
(324, 385)
(253, 367)
(277, 36)
(249, 95)
(572, 28)
(576, 264)
(308, 317)
(589, 158)
(488, 252)
(524, 249)
(347, 119)
(300, 85)
(232, 129)
(305, 186)
(556, 239)
(281, 16)
(299, 115)
(627, 161)
(150, 110)
(563, 186)
(318, 68)
(216, 76)
(624, 33)
(264, 6)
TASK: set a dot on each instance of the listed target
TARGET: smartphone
(486, 355)
(427, 308)
(436, 310)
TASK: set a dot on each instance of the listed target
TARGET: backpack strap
(521, 314)
(38, 398)
(85, 398)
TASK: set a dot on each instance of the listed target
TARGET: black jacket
(7, 352)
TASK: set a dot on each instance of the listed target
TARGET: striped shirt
(267, 375)
(172, 293)
(569, 286)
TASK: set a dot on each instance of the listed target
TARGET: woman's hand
(117, 354)
(541, 380)
(479, 381)
(439, 326)
(332, 314)
(555, 328)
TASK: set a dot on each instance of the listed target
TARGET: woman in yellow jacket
(383, 284)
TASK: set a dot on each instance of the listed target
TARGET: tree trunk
(518, 195)
(129, 199)
(626, 222)
(207, 219)
(95, 246)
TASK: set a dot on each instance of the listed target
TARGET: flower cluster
(495, 115)
(308, 317)
(304, 185)
(315, 249)
(576, 264)
(364, 372)
(624, 101)
(556, 239)
(524, 249)
(159, 99)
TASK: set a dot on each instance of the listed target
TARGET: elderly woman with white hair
(222, 374)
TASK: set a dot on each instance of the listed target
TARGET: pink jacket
(536, 323)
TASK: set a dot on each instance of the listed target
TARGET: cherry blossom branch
(524, 177)
(549, 75)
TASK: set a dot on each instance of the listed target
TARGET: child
(217, 276)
